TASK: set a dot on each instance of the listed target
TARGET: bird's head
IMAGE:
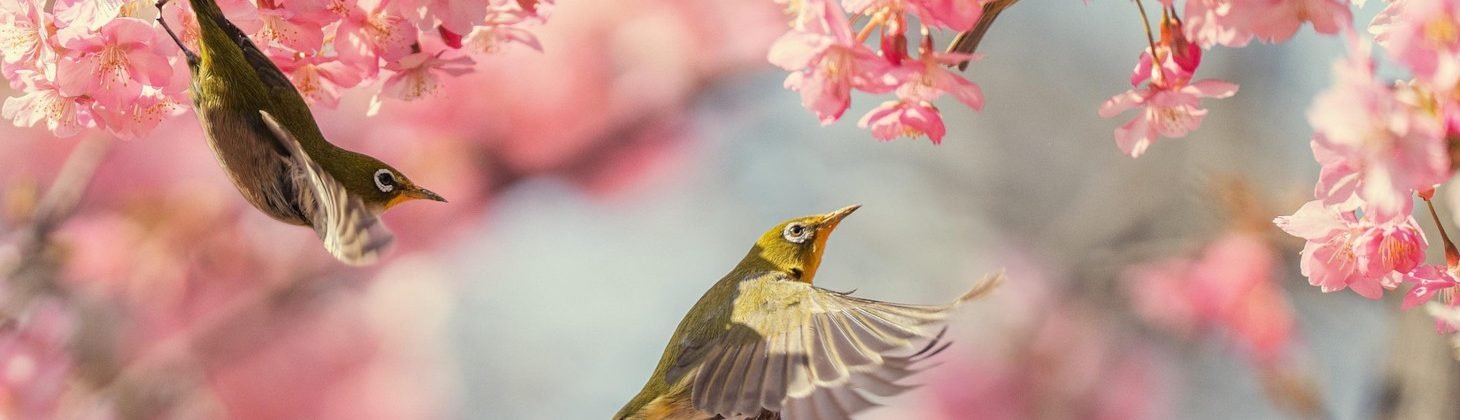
(379, 185)
(795, 246)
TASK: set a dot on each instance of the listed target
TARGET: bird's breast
(245, 150)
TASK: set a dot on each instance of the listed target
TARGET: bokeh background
(599, 187)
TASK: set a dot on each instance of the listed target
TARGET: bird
(966, 42)
(264, 136)
(765, 343)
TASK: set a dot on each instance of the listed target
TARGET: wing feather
(810, 353)
(350, 230)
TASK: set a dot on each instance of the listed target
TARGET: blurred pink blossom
(1278, 20)
(1425, 37)
(1069, 366)
(944, 14)
(501, 29)
(1210, 23)
(34, 365)
(1387, 148)
(1230, 287)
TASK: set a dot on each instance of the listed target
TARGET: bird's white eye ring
(384, 180)
(796, 233)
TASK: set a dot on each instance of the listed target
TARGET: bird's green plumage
(765, 343)
(266, 139)
(711, 315)
(228, 78)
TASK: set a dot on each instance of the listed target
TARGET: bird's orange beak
(824, 227)
(830, 220)
(423, 194)
(414, 193)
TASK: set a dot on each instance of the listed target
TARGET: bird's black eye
(385, 180)
(796, 232)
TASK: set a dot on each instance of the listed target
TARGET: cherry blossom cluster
(828, 61)
(1379, 144)
(106, 64)
(1169, 102)
(1228, 287)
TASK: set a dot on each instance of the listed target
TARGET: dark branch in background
(967, 41)
(34, 274)
(629, 133)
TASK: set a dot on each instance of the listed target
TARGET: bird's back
(230, 87)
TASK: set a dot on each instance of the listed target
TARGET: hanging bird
(265, 138)
(764, 343)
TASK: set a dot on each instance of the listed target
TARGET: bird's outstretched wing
(350, 230)
(811, 353)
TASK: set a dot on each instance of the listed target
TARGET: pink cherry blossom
(827, 63)
(416, 75)
(297, 25)
(1338, 178)
(1277, 20)
(1170, 100)
(113, 66)
(24, 35)
(370, 31)
(136, 119)
(500, 30)
(928, 77)
(958, 15)
(904, 118)
(1229, 287)
(1166, 112)
(88, 15)
(458, 16)
(1428, 281)
(1390, 248)
(65, 115)
(1389, 146)
(1425, 36)
(1179, 58)
(1329, 258)
(1210, 23)
(319, 79)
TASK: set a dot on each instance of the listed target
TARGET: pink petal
(796, 50)
(1213, 88)
(1122, 102)
(1134, 136)
(1312, 221)
(149, 68)
(127, 30)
